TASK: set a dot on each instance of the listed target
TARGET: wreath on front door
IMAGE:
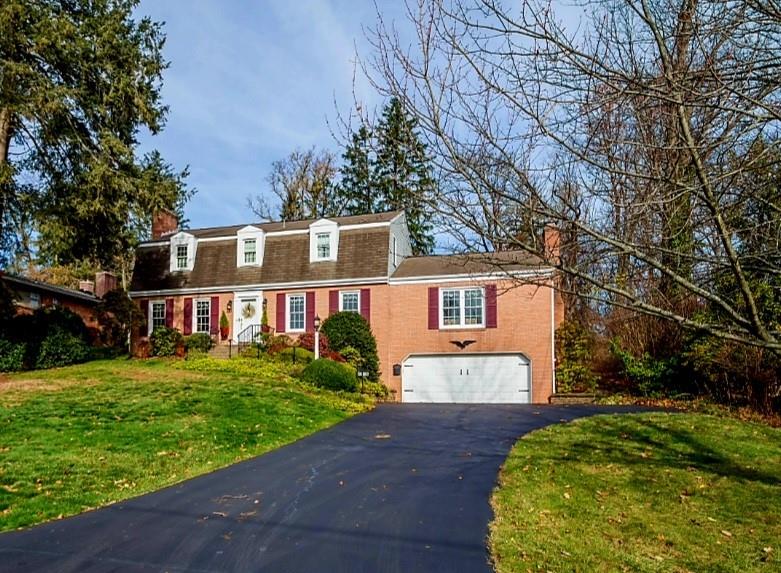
(248, 310)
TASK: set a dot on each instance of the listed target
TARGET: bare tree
(628, 129)
(302, 187)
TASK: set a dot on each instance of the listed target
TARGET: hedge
(330, 375)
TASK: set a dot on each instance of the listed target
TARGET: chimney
(552, 239)
(87, 286)
(164, 223)
(104, 282)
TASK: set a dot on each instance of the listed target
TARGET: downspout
(553, 336)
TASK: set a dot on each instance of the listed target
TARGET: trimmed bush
(200, 341)
(330, 375)
(302, 355)
(165, 341)
(376, 389)
(61, 348)
(350, 329)
(11, 355)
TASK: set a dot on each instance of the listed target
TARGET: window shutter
(188, 316)
(281, 312)
(310, 311)
(214, 315)
(366, 303)
(169, 313)
(433, 308)
(333, 302)
(145, 310)
(490, 306)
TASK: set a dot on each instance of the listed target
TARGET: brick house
(449, 328)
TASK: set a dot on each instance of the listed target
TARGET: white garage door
(466, 378)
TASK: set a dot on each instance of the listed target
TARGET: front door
(246, 312)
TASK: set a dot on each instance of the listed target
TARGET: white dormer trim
(250, 232)
(321, 227)
(186, 240)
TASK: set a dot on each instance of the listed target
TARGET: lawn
(83, 436)
(643, 492)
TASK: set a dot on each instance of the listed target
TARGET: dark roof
(54, 289)
(363, 253)
(231, 230)
(467, 264)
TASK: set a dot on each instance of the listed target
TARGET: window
(395, 252)
(323, 245)
(462, 308)
(35, 300)
(350, 301)
(202, 312)
(250, 251)
(158, 316)
(181, 256)
(295, 312)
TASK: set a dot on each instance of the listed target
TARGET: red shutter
(310, 311)
(214, 318)
(333, 302)
(281, 312)
(188, 316)
(490, 306)
(433, 308)
(145, 311)
(169, 313)
(366, 303)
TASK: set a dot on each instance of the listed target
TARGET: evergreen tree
(402, 173)
(357, 187)
(78, 80)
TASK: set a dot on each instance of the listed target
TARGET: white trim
(264, 287)
(194, 325)
(288, 328)
(553, 338)
(250, 233)
(470, 277)
(331, 230)
(365, 226)
(353, 291)
(461, 308)
(256, 294)
(150, 313)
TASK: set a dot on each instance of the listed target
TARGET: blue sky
(248, 83)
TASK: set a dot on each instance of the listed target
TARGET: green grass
(643, 492)
(83, 436)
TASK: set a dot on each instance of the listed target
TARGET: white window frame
(186, 240)
(357, 293)
(249, 233)
(151, 314)
(179, 256)
(462, 310)
(395, 254)
(288, 297)
(208, 315)
(327, 245)
(322, 227)
(253, 252)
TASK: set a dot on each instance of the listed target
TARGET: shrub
(165, 341)
(330, 375)
(278, 343)
(352, 357)
(11, 355)
(307, 340)
(296, 354)
(200, 341)
(350, 329)
(573, 359)
(376, 389)
(650, 376)
(61, 348)
(116, 314)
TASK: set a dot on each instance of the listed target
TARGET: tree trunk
(5, 135)
(5, 173)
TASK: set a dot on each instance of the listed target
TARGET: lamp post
(317, 336)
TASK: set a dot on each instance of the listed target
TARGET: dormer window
(183, 246)
(323, 241)
(181, 257)
(323, 246)
(249, 247)
(250, 251)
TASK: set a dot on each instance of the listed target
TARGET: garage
(467, 378)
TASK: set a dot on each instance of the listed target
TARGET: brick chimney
(104, 282)
(164, 223)
(87, 286)
(552, 239)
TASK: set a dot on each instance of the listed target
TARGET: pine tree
(402, 174)
(357, 187)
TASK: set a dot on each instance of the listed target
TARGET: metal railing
(249, 336)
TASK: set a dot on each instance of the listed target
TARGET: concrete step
(222, 351)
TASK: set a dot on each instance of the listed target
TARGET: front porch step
(223, 351)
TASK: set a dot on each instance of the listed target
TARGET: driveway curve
(403, 488)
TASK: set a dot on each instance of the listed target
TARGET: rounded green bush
(11, 355)
(330, 375)
(200, 341)
(61, 348)
(350, 330)
(164, 341)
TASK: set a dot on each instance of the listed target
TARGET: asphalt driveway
(403, 488)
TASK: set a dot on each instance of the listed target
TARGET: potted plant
(224, 326)
(264, 328)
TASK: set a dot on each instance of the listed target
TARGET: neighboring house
(30, 295)
(449, 328)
